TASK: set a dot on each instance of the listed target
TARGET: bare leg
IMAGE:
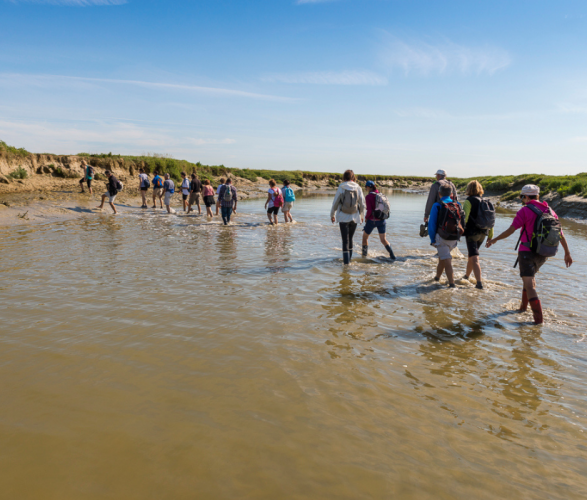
(269, 217)
(449, 271)
(102, 204)
(474, 261)
(469, 267)
(383, 240)
(530, 287)
(275, 218)
(439, 269)
(113, 207)
(199, 209)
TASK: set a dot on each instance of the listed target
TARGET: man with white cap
(434, 194)
(535, 243)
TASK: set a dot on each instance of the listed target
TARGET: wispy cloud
(73, 3)
(203, 142)
(442, 57)
(329, 78)
(40, 80)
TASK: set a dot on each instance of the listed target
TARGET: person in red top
(372, 223)
(530, 262)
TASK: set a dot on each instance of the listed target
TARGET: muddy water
(151, 356)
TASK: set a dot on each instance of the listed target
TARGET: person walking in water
(348, 209)
(157, 189)
(88, 177)
(208, 197)
(222, 181)
(445, 228)
(168, 189)
(144, 184)
(185, 190)
(274, 202)
(373, 222)
(434, 194)
(540, 236)
(195, 190)
(288, 201)
(479, 222)
(113, 187)
(227, 199)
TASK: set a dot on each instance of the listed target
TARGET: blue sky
(380, 86)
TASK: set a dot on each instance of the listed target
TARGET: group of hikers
(446, 220)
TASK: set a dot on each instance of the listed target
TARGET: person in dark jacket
(473, 235)
(434, 194)
(372, 222)
(227, 206)
(195, 193)
(112, 186)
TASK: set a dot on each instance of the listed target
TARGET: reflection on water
(155, 356)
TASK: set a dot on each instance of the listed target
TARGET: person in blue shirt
(157, 190)
(445, 231)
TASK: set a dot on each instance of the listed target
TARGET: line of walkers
(227, 199)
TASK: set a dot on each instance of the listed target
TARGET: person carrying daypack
(144, 184)
(169, 189)
(114, 186)
(348, 208)
(157, 189)
(479, 222)
(540, 236)
(434, 194)
(185, 190)
(88, 177)
(445, 228)
(274, 201)
(377, 213)
(288, 201)
(227, 200)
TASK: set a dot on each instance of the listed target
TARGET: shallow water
(152, 356)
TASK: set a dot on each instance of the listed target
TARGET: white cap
(530, 190)
(441, 172)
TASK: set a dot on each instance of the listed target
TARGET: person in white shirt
(185, 190)
(144, 184)
(222, 181)
(348, 209)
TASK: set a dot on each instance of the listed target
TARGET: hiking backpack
(349, 203)
(145, 182)
(157, 182)
(547, 233)
(485, 219)
(278, 198)
(288, 195)
(119, 186)
(382, 208)
(90, 171)
(227, 195)
(451, 219)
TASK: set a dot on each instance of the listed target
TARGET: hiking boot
(365, 251)
(452, 285)
(536, 307)
(346, 258)
(436, 278)
(465, 277)
(479, 285)
(391, 255)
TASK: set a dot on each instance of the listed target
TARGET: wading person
(348, 209)
(113, 187)
(227, 199)
(222, 181)
(157, 190)
(540, 236)
(88, 177)
(288, 201)
(195, 191)
(168, 189)
(274, 202)
(445, 228)
(144, 184)
(208, 193)
(479, 222)
(185, 190)
(377, 213)
(434, 194)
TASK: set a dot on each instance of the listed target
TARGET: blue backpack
(288, 195)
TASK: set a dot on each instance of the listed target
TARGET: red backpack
(277, 199)
(451, 221)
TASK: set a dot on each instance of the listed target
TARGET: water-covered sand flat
(148, 355)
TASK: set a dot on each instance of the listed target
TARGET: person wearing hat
(434, 194)
(372, 222)
(530, 261)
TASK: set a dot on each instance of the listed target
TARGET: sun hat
(530, 190)
(370, 184)
(441, 172)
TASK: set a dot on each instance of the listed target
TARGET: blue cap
(370, 184)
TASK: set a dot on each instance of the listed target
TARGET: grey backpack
(349, 203)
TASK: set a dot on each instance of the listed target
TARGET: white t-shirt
(273, 193)
(185, 186)
(219, 187)
(144, 180)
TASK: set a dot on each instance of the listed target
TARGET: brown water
(158, 357)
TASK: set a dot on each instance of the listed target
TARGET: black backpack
(547, 233)
(451, 221)
(485, 220)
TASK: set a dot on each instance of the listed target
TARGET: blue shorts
(372, 224)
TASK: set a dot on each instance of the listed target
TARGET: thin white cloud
(41, 80)
(443, 57)
(329, 78)
(73, 3)
(203, 142)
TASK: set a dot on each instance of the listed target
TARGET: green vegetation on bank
(19, 173)
(12, 151)
(509, 186)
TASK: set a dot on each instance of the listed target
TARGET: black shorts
(209, 200)
(273, 210)
(184, 197)
(87, 181)
(530, 263)
(144, 189)
(474, 244)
